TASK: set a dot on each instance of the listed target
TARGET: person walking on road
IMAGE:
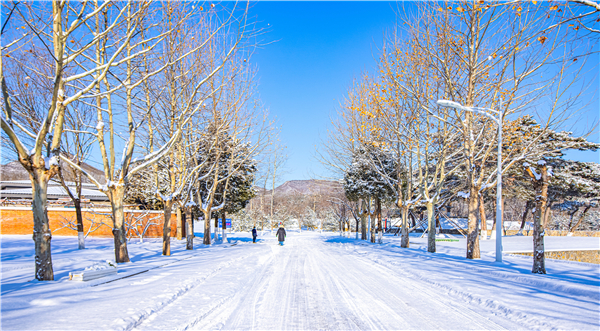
(254, 235)
(280, 234)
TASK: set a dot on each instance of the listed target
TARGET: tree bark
(379, 225)
(189, 218)
(224, 226)
(119, 233)
(587, 208)
(41, 227)
(356, 229)
(207, 219)
(216, 228)
(482, 215)
(404, 242)
(541, 193)
(372, 226)
(363, 221)
(184, 220)
(80, 230)
(431, 228)
(528, 205)
(166, 249)
(363, 226)
(547, 213)
(180, 225)
(473, 230)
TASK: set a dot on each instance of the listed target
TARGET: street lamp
(498, 120)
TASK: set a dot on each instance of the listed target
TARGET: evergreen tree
(364, 180)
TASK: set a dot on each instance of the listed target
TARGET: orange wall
(20, 221)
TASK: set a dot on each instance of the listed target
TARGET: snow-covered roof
(22, 189)
(14, 184)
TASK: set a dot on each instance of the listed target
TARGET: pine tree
(364, 180)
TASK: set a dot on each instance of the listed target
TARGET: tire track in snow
(308, 285)
(411, 309)
(314, 287)
(147, 313)
(215, 319)
(352, 311)
(492, 306)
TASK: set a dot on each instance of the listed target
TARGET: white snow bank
(298, 286)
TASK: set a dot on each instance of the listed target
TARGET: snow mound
(101, 265)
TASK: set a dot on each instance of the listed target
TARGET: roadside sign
(227, 223)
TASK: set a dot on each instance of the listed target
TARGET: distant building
(16, 185)
(21, 189)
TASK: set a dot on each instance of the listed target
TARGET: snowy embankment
(313, 282)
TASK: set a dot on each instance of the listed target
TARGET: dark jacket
(281, 234)
(254, 232)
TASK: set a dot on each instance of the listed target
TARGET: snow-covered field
(315, 281)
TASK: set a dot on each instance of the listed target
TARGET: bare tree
(136, 113)
(138, 223)
(60, 35)
(77, 145)
(492, 55)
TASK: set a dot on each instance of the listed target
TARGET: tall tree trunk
(363, 221)
(587, 208)
(528, 205)
(224, 226)
(189, 217)
(207, 219)
(541, 193)
(216, 228)
(379, 225)
(431, 228)
(41, 227)
(404, 242)
(482, 215)
(80, 230)
(363, 226)
(166, 249)
(184, 220)
(547, 213)
(473, 230)
(119, 233)
(180, 225)
(372, 225)
(371, 229)
(571, 216)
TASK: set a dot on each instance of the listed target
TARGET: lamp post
(498, 120)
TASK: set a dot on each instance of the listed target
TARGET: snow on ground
(315, 281)
(463, 223)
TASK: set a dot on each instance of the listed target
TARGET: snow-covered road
(313, 282)
(308, 285)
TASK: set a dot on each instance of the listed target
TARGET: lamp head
(448, 103)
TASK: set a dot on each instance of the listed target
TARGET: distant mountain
(304, 187)
(15, 171)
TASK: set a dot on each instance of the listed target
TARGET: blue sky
(319, 48)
